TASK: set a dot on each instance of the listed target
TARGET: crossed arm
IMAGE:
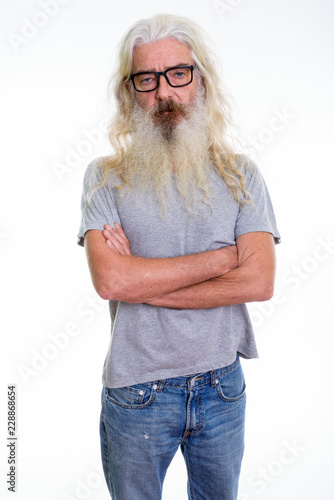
(230, 275)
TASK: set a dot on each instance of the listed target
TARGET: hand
(116, 239)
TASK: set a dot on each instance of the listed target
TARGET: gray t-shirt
(151, 343)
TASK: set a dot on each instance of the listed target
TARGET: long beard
(169, 143)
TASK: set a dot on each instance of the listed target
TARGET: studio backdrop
(56, 59)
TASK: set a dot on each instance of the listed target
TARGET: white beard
(169, 146)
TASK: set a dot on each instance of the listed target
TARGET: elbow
(266, 295)
(115, 291)
(108, 290)
(265, 292)
(105, 293)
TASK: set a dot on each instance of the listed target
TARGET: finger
(107, 234)
(116, 226)
(107, 228)
(122, 234)
(118, 243)
(118, 238)
(113, 247)
(112, 235)
(119, 228)
(120, 231)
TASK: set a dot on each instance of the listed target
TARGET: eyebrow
(154, 71)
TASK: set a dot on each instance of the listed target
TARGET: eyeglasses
(178, 76)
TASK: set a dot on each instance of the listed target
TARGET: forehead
(161, 55)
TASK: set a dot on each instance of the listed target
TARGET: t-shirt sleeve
(259, 214)
(98, 208)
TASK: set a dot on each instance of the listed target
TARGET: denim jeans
(142, 427)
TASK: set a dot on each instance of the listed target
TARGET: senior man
(179, 232)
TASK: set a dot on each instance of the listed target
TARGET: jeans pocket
(132, 397)
(231, 384)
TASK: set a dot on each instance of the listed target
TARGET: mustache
(170, 106)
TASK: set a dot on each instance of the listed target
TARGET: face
(159, 57)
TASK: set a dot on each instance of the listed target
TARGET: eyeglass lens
(175, 77)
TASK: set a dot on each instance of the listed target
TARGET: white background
(277, 61)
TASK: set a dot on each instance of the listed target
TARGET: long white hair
(183, 30)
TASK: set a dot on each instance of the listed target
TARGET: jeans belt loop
(213, 378)
(161, 385)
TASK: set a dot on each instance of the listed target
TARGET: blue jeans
(142, 427)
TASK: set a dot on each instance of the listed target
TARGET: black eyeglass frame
(164, 73)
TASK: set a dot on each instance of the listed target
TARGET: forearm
(193, 281)
(141, 279)
(137, 279)
(253, 279)
(234, 287)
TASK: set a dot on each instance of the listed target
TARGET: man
(179, 233)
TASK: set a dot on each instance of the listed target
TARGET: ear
(128, 86)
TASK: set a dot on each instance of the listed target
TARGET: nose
(164, 90)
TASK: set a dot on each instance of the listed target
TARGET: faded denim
(142, 427)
